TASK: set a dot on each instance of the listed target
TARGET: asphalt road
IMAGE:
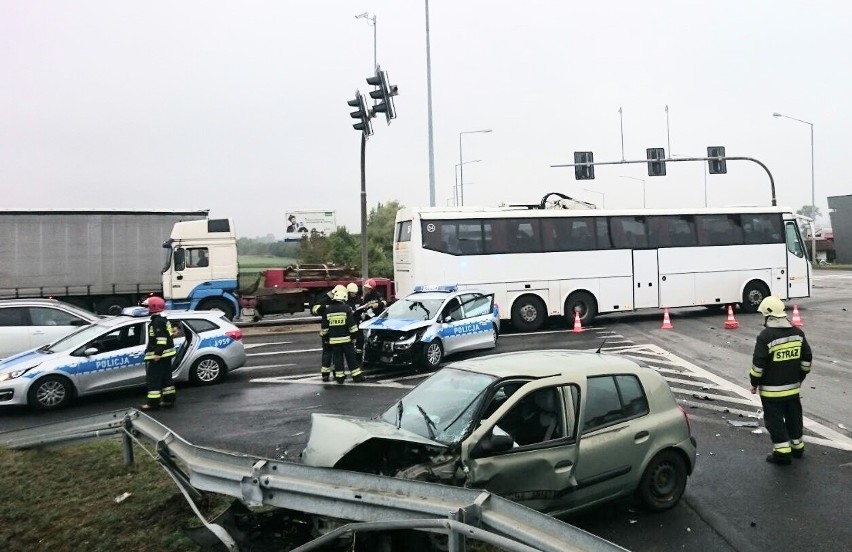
(734, 500)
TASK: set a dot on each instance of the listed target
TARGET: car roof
(46, 302)
(551, 362)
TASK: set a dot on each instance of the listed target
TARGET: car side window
(42, 316)
(478, 306)
(13, 316)
(120, 338)
(453, 309)
(612, 399)
(537, 418)
(199, 325)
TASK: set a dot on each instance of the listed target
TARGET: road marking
(255, 345)
(297, 351)
(317, 380)
(265, 366)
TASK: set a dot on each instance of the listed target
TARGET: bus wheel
(584, 303)
(754, 292)
(528, 313)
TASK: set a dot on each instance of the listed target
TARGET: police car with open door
(429, 324)
(109, 355)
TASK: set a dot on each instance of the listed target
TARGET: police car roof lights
(446, 288)
(135, 312)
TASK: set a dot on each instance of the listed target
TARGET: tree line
(340, 247)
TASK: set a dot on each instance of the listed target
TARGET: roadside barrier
(359, 502)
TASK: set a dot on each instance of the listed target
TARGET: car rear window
(612, 399)
(12, 316)
(199, 325)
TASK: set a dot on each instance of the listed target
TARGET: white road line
(256, 345)
(315, 380)
(265, 366)
(297, 351)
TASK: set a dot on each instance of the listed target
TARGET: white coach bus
(554, 262)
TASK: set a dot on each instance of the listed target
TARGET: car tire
(219, 304)
(754, 292)
(584, 303)
(50, 393)
(208, 370)
(528, 313)
(663, 482)
(432, 355)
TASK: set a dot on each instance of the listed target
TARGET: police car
(108, 355)
(432, 322)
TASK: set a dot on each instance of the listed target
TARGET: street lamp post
(642, 180)
(456, 173)
(429, 113)
(603, 197)
(461, 160)
(673, 155)
(813, 187)
(371, 20)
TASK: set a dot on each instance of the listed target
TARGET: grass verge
(63, 499)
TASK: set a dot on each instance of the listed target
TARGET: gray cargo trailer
(99, 260)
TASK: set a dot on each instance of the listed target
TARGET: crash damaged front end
(374, 446)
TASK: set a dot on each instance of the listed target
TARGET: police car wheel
(50, 392)
(433, 354)
(663, 482)
(207, 370)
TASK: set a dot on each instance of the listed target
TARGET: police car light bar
(447, 288)
(135, 312)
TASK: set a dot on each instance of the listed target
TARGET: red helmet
(370, 283)
(155, 304)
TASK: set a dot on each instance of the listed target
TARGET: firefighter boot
(357, 375)
(782, 459)
(798, 448)
(340, 376)
(325, 373)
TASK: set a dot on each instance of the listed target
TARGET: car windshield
(75, 339)
(442, 407)
(414, 308)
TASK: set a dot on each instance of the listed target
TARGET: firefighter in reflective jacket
(319, 310)
(339, 326)
(373, 302)
(781, 361)
(158, 357)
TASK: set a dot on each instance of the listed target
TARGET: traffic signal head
(383, 94)
(361, 113)
(584, 172)
(717, 166)
(656, 165)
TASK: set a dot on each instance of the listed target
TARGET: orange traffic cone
(731, 323)
(578, 327)
(797, 320)
(667, 322)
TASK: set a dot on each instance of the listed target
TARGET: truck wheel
(207, 370)
(528, 313)
(218, 304)
(112, 305)
(50, 393)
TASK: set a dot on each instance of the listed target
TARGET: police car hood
(333, 436)
(399, 324)
(27, 359)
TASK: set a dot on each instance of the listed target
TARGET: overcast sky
(240, 107)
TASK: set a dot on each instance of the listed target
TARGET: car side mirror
(492, 444)
(91, 351)
(448, 319)
(80, 322)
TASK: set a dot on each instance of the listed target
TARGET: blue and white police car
(429, 324)
(108, 355)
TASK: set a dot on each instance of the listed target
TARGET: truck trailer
(102, 261)
(202, 272)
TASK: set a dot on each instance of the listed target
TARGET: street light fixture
(813, 188)
(456, 174)
(371, 20)
(603, 197)
(461, 160)
(642, 180)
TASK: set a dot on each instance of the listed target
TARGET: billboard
(300, 223)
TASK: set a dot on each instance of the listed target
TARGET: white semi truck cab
(201, 270)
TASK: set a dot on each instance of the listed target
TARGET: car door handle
(641, 435)
(564, 464)
(36, 332)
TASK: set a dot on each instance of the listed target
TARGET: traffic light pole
(678, 160)
(364, 267)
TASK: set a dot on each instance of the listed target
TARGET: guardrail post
(128, 442)
(456, 540)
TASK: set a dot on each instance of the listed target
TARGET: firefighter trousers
(345, 352)
(161, 386)
(783, 419)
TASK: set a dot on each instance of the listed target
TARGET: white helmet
(339, 293)
(352, 287)
(772, 306)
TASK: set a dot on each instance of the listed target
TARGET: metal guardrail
(373, 502)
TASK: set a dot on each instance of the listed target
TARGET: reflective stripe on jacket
(160, 340)
(781, 361)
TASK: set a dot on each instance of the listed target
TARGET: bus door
(798, 264)
(645, 279)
